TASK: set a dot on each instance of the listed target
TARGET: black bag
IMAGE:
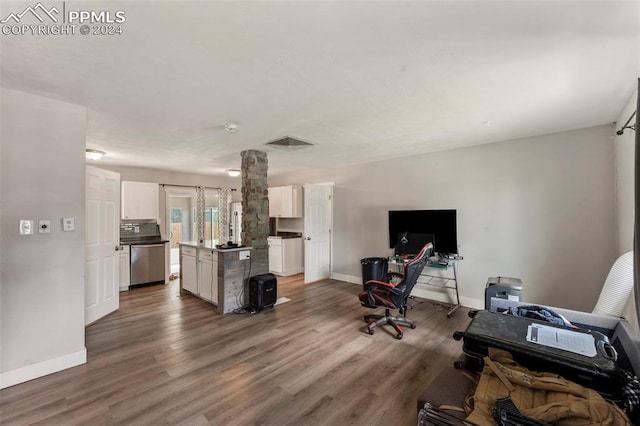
(507, 332)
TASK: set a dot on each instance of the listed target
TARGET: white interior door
(317, 232)
(102, 264)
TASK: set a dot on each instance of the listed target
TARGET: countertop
(142, 241)
(285, 235)
(211, 245)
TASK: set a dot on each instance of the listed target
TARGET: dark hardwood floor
(166, 359)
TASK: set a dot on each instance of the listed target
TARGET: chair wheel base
(375, 321)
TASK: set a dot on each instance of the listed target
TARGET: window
(211, 223)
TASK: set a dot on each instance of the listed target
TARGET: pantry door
(317, 232)
(102, 244)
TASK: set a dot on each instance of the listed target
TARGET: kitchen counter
(286, 235)
(211, 245)
(141, 241)
(215, 275)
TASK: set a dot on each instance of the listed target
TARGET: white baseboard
(346, 278)
(445, 296)
(30, 372)
(423, 291)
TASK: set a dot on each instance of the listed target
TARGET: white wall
(42, 275)
(540, 208)
(174, 178)
(140, 174)
(625, 161)
(624, 149)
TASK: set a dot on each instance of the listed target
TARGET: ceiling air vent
(289, 144)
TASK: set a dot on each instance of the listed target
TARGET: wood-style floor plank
(166, 359)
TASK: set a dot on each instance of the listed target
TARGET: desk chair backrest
(412, 270)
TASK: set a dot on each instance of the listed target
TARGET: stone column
(255, 208)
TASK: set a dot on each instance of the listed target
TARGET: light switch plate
(26, 227)
(68, 224)
(44, 226)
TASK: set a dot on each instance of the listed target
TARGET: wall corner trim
(30, 372)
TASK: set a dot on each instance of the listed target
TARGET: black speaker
(263, 291)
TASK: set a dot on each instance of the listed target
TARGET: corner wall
(42, 176)
(540, 208)
(625, 163)
(625, 151)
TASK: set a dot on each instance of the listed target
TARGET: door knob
(308, 238)
(119, 248)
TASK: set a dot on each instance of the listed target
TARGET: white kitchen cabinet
(188, 270)
(208, 275)
(139, 200)
(125, 267)
(275, 199)
(275, 255)
(285, 201)
(285, 256)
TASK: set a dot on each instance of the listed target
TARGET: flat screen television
(442, 224)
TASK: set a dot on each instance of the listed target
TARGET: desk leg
(455, 280)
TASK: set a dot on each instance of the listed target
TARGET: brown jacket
(543, 396)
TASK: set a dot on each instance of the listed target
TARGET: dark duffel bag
(599, 372)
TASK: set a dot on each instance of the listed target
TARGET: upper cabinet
(285, 201)
(139, 200)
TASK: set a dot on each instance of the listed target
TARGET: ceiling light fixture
(231, 127)
(94, 154)
(233, 172)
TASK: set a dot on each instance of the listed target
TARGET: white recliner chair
(617, 287)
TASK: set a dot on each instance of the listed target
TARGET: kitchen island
(214, 274)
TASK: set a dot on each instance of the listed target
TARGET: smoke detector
(289, 144)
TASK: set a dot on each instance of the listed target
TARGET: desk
(446, 279)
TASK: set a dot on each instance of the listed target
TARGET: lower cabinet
(208, 275)
(125, 267)
(275, 255)
(285, 256)
(189, 270)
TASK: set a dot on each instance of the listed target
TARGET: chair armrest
(373, 284)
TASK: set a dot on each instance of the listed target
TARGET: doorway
(181, 207)
(182, 217)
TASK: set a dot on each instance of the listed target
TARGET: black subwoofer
(263, 291)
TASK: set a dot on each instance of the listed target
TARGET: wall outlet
(68, 224)
(245, 254)
(44, 226)
(26, 227)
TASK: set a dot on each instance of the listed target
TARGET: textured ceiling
(362, 81)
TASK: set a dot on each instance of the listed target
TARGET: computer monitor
(410, 243)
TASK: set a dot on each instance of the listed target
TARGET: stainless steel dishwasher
(147, 263)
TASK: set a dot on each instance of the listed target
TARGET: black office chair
(394, 296)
